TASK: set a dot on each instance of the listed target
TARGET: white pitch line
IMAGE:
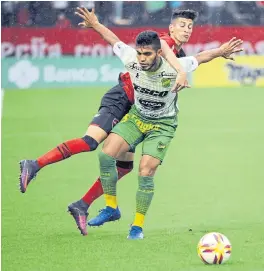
(2, 101)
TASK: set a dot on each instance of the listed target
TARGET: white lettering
(260, 47)
(22, 50)
(249, 48)
(78, 50)
(36, 43)
(49, 73)
(54, 50)
(7, 49)
(53, 74)
(38, 48)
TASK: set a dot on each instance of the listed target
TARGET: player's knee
(93, 144)
(146, 169)
(148, 165)
(106, 161)
(146, 183)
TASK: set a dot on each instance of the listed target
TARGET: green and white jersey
(153, 96)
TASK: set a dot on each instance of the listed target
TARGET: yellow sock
(139, 220)
(110, 201)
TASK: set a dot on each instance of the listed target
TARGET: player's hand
(89, 18)
(231, 47)
(181, 82)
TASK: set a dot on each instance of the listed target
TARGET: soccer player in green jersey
(114, 105)
(151, 120)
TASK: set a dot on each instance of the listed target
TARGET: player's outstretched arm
(225, 50)
(91, 21)
(181, 80)
(168, 54)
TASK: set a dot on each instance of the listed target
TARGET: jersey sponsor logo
(161, 146)
(151, 105)
(153, 93)
(143, 127)
(134, 66)
(153, 115)
(168, 74)
(164, 74)
(106, 174)
(165, 82)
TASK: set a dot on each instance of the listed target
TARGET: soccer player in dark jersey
(114, 105)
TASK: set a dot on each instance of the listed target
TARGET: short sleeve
(126, 53)
(189, 63)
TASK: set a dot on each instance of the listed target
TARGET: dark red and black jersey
(171, 42)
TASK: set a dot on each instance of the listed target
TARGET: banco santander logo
(23, 74)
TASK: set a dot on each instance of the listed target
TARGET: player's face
(181, 29)
(147, 57)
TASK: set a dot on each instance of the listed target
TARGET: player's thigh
(156, 143)
(129, 131)
(101, 125)
(126, 157)
(115, 145)
(148, 165)
(96, 133)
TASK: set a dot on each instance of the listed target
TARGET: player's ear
(159, 52)
(171, 28)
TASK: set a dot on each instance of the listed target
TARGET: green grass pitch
(212, 180)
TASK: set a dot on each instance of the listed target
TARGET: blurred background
(34, 30)
(129, 13)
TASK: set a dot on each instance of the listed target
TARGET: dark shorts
(114, 106)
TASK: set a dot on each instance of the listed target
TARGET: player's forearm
(106, 33)
(168, 54)
(208, 55)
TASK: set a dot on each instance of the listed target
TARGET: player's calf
(144, 197)
(96, 190)
(29, 168)
(67, 149)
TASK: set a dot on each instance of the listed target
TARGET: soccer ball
(214, 248)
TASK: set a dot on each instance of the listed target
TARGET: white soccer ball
(214, 248)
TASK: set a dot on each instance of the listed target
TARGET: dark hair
(148, 37)
(184, 13)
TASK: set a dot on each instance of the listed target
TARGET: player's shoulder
(166, 37)
(120, 45)
(125, 52)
